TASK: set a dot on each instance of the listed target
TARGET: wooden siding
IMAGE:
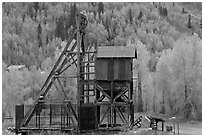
(110, 73)
(116, 69)
(113, 69)
(121, 67)
(101, 70)
(128, 69)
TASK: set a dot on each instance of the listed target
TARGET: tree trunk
(185, 86)
(154, 105)
(140, 103)
(186, 95)
(163, 107)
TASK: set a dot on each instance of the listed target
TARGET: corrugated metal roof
(117, 52)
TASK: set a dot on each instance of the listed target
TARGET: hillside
(168, 37)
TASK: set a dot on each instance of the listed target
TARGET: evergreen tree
(163, 102)
(165, 12)
(59, 31)
(40, 35)
(140, 15)
(100, 8)
(30, 10)
(183, 11)
(36, 6)
(67, 27)
(130, 15)
(160, 10)
(189, 22)
(94, 6)
(72, 16)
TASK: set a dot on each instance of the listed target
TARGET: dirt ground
(185, 128)
(191, 128)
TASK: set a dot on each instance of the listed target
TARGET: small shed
(115, 62)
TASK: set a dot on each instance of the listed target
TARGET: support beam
(121, 115)
(78, 68)
(66, 97)
(104, 115)
(103, 92)
(50, 115)
(122, 93)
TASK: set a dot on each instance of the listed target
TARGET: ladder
(87, 75)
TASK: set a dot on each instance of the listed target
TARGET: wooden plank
(122, 69)
(98, 69)
(104, 70)
(110, 69)
(128, 72)
(116, 69)
(101, 69)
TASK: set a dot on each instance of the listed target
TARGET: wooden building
(114, 80)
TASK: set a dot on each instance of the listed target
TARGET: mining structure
(104, 89)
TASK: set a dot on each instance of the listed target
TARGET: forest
(168, 37)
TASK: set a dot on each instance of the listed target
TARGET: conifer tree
(36, 7)
(40, 35)
(72, 16)
(130, 15)
(100, 8)
(189, 22)
(140, 15)
(59, 31)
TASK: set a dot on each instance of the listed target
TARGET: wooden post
(114, 111)
(64, 117)
(88, 77)
(78, 69)
(50, 115)
(155, 131)
(112, 91)
(36, 119)
(19, 116)
(131, 114)
(162, 126)
(39, 120)
(68, 117)
(178, 127)
(61, 116)
(131, 102)
(111, 116)
(69, 120)
(111, 109)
